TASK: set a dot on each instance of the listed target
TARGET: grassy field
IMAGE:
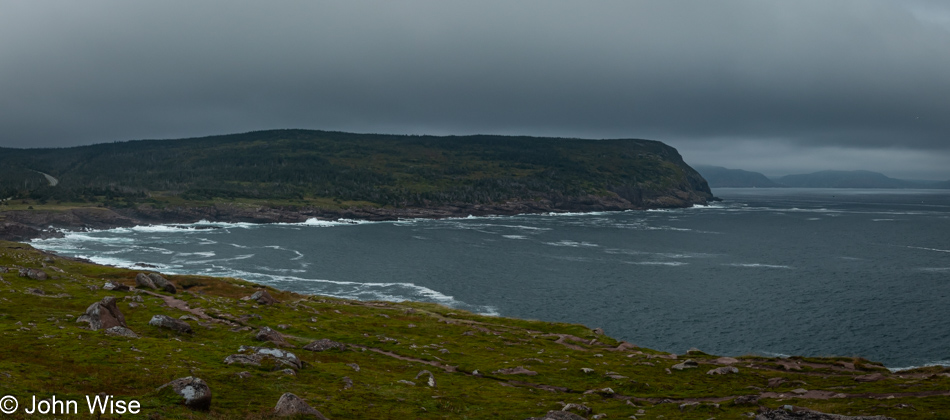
(472, 358)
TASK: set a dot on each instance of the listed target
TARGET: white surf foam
(757, 265)
(945, 363)
(572, 244)
(928, 249)
(514, 236)
(666, 263)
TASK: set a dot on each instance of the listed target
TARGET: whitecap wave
(662, 263)
(572, 244)
(757, 265)
(514, 236)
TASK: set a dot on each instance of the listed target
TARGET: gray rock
(598, 331)
(111, 285)
(255, 356)
(33, 273)
(347, 382)
(292, 405)
(687, 364)
(746, 400)
(723, 370)
(577, 407)
(269, 334)
(262, 297)
(558, 415)
(141, 280)
(103, 315)
(195, 392)
(431, 381)
(520, 370)
(324, 345)
(121, 332)
(802, 414)
(165, 321)
(162, 283)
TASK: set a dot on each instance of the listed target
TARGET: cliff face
(292, 175)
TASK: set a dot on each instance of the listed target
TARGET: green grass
(45, 352)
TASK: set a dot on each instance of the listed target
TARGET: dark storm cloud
(804, 76)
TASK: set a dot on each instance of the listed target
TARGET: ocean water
(815, 272)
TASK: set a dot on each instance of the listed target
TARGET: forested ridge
(375, 169)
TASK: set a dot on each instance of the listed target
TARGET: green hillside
(382, 360)
(331, 168)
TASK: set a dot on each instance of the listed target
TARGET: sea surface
(816, 272)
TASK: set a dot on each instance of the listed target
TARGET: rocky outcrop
(194, 392)
(558, 415)
(111, 285)
(261, 297)
(269, 334)
(167, 322)
(103, 315)
(292, 405)
(724, 370)
(142, 280)
(324, 344)
(801, 414)
(162, 283)
(257, 356)
(120, 331)
(33, 273)
(520, 370)
(687, 364)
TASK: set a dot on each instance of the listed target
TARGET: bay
(815, 272)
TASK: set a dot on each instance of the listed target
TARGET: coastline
(22, 225)
(488, 364)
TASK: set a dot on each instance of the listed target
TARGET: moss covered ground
(45, 352)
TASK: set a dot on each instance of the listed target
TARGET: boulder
(347, 382)
(121, 332)
(194, 391)
(431, 381)
(558, 415)
(111, 285)
(723, 370)
(324, 345)
(292, 405)
(103, 315)
(161, 283)
(33, 273)
(261, 297)
(746, 400)
(165, 321)
(776, 381)
(687, 364)
(803, 414)
(269, 334)
(141, 280)
(255, 356)
(577, 407)
(520, 370)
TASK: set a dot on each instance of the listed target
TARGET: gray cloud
(865, 79)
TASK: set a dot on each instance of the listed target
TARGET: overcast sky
(774, 86)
